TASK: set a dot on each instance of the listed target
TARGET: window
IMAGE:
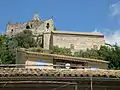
(71, 46)
(48, 25)
(11, 31)
(27, 27)
(31, 25)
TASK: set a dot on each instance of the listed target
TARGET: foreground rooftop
(58, 79)
(30, 72)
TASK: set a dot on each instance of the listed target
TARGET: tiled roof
(29, 72)
(63, 57)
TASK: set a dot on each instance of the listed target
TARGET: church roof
(79, 33)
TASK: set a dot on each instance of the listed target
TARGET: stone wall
(46, 40)
(39, 60)
(37, 26)
(77, 42)
(45, 28)
(20, 58)
(14, 28)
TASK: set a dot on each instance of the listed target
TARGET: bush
(61, 51)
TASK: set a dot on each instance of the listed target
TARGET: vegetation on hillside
(8, 46)
(25, 39)
(7, 50)
(107, 53)
(61, 51)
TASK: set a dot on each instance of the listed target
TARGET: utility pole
(91, 83)
(76, 87)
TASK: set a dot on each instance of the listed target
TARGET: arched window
(48, 25)
(27, 27)
(31, 25)
(11, 31)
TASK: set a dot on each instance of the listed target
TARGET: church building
(48, 37)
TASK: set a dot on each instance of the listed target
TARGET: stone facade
(74, 41)
(47, 37)
(36, 25)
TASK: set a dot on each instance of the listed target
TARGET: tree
(2, 37)
(25, 39)
(89, 53)
(109, 53)
(8, 45)
(8, 51)
(113, 57)
(61, 51)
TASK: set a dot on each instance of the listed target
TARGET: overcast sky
(73, 15)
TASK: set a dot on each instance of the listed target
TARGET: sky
(96, 16)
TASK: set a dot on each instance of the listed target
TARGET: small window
(11, 30)
(27, 27)
(71, 46)
(48, 25)
(31, 25)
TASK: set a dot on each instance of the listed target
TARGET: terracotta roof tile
(63, 57)
(24, 72)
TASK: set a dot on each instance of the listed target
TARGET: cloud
(111, 36)
(115, 9)
(96, 31)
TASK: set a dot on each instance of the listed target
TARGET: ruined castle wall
(77, 42)
(37, 27)
(40, 30)
(51, 25)
(14, 28)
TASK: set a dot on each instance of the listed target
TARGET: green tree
(89, 53)
(25, 39)
(113, 56)
(8, 45)
(2, 37)
(61, 51)
(109, 53)
(7, 51)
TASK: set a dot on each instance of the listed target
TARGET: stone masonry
(74, 40)
(48, 37)
(36, 25)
